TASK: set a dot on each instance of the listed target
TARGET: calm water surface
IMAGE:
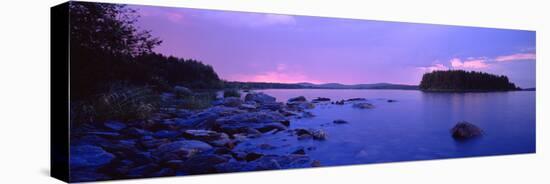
(416, 127)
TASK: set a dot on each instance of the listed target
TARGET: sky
(255, 47)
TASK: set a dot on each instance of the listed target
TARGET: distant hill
(306, 85)
(460, 80)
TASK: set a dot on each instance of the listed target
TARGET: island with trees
(465, 81)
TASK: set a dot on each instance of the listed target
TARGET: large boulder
(259, 98)
(465, 130)
(180, 149)
(89, 156)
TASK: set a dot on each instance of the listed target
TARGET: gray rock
(114, 125)
(105, 134)
(355, 99)
(88, 156)
(259, 98)
(181, 91)
(180, 149)
(316, 134)
(203, 164)
(166, 134)
(272, 106)
(232, 101)
(144, 170)
(240, 123)
(212, 137)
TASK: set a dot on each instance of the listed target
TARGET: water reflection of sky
(415, 127)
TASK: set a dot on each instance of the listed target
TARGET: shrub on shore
(120, 102)
(231, 93)
(198, 101)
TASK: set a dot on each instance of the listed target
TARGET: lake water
(416, 127)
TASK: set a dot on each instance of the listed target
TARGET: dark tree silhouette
(109, 28)
(460, 80)
(107, 47)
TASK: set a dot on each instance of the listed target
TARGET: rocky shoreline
(185, 142)
(175, 141)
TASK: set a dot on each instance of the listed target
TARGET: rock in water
(259, 98)
(465, 130)
(339, 121)
(89, 156)
(363, 105)
(297, 99)
(320, 99)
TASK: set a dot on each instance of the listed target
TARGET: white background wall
(24, 94)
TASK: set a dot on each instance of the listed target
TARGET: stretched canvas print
(148, 91)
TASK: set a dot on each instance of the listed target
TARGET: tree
(109, 28)
(460, 80)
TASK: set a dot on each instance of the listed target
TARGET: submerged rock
(363, 105)
(465, 130)
(320, 99)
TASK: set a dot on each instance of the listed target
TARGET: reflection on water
(413, 128)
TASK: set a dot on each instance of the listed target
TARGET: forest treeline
(460, 80)
(107, 48)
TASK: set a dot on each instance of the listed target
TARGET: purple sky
(280, 48)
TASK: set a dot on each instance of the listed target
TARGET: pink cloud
(517, 57)
(174, 17)
(434, 67)
(469, 64)
(279, 74)
(273, 76)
